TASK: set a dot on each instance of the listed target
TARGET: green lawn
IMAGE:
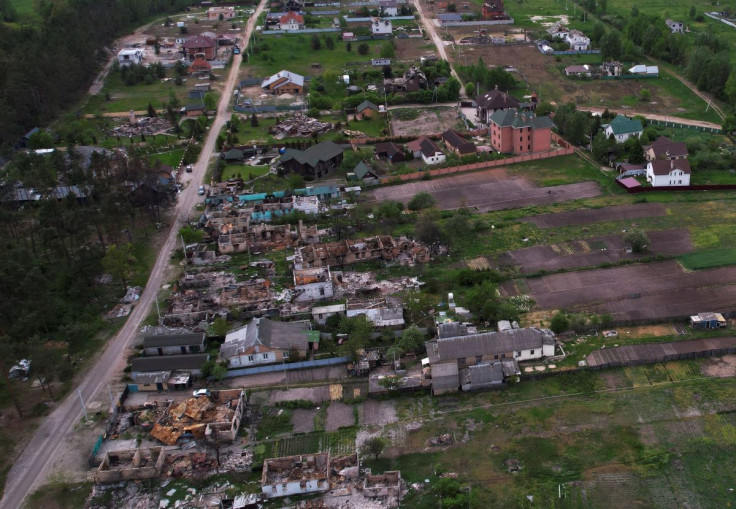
(171, 158)
(693, 105)
(243, 171)
(137, 97)
(708, 259)
(293, 53)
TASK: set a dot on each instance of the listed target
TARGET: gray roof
(451, 330)
(163, 340)
(366, 105)
(445, 376)
(155, 377)
(168, 362)
(262, 331)
(485, 373)
(491, 343)
(450, 16)
(520, 119)
(362, 169)
(496, 100)
(429, 148)
(323, 151)
(234, 153)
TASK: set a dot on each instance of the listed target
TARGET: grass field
(243, 171)
(708, 259)
(293, 52)
(171, 158)
(136, 97)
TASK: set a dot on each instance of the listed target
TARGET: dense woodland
(48, 65)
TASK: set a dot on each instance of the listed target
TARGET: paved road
(431, 28)
(655, 116)
(30, 469)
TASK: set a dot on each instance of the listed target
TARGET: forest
(67, 42)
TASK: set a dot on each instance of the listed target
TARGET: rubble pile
(143, 125)
(299, 126)
(354, 134)
(356, 284)
(190, 465)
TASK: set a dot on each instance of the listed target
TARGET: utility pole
(84, 407)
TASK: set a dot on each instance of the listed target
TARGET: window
(478, 359)
(516, 354)
(679, 181)
(495, 356)
(265, 356)
(531, 352)
(250, 358)
(286, 354)
(461, 362)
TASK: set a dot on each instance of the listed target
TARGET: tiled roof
(496, 100)
(664, 167)
(198, 41)
(455, 140)
(429, 148)
(520, 119)
(663, 147)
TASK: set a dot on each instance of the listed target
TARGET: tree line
(48, 65)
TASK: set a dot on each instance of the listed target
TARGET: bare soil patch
(412, 49)
(487, 190)
(434, 120)
(587, 216)
(339, 415)
(594, 251)
(313, 394)
(637, 292)
(303, 420)
(645, 330)
(377, 413)
(720, 367)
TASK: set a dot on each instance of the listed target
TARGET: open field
(486, 190)
(544, 74)
(594, 251)
(597, 215)
(416, 122)
(137, 97)
(653, 291)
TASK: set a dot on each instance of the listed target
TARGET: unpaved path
(33, 465)
(654, 116)
(431, 29)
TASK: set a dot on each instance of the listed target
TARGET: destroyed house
(708, 321)
(346, 252)
(174, 344)
(316, 161)
(312, 284)
(413, 80)
(296, 475)
(132, 465)
(382, 313)
(265, 341)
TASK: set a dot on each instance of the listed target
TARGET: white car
(201, 392)
(201, 191)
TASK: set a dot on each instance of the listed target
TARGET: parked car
(201, 191)
(202, 392)
(189, 168)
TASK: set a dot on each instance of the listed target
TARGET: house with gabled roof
(664, 148)
(493, 101)
(390, 151)
(457, 144)
(200, 44)
(366, 109)
(520, 132)
(362, 172)
(669, 172)
(174, 344)
(430, 152)
(284, 82)
(622, 128)
(316, 161)
(291, 21)
(265, 341)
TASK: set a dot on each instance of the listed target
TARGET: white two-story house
(672, 172)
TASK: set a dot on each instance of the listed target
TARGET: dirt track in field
(486, 191)
(658, 290)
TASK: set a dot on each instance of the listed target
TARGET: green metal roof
(624, 125)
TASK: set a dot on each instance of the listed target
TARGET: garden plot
(594, 251)
(487, 190)
(417, 122)
(658, 290)
(303, 420)
(313, 394)
(377, 413)
(339, 415)
(600, 215)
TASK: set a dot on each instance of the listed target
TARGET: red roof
(199, 41)
(629, 182)
(291, 15)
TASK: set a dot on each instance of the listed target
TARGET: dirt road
(653, 116)
(431, 29)
(31, 468)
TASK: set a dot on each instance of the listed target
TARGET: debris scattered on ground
(299, 125)
(142, 126)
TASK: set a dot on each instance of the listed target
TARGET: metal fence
(271, 368)
(712, 130)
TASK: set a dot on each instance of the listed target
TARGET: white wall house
(577, 40)
(312, 284)
(389, 8)
(675, 172)
(676, 27)
(622, 128)
(129, 56)
(431, 153)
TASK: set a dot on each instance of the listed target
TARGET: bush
(422, 200)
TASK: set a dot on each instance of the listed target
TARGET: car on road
(201, 191)
(189, 168)
(202, 392)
